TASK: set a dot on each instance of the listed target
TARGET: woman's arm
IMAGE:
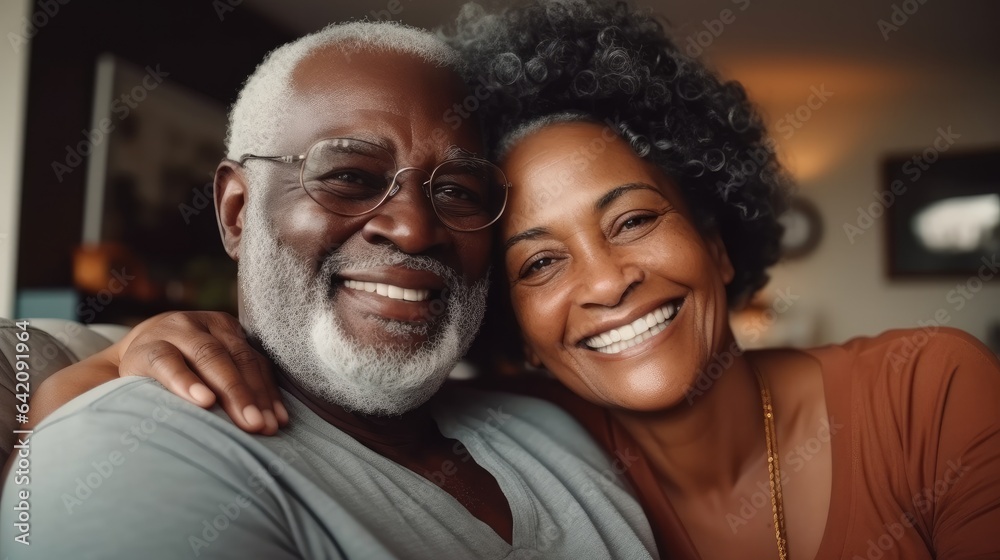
(196, 355)
(960, 496)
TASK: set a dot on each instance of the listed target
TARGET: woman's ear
(717, 249)
(230, 201)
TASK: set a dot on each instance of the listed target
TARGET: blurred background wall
(843, 86)
(13, 89)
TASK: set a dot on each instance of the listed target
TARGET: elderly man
(359, 219)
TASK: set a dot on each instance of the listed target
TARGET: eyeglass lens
(352, 177)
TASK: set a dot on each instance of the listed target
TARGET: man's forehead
(377, 94)
(342, 63)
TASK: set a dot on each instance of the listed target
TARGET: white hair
(527, 128)
(262, 103)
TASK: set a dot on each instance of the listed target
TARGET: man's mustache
(383, 256)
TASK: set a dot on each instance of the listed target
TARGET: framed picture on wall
(942, 212)
(149, 204)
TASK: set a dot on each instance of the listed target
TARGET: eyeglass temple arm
(283, 159)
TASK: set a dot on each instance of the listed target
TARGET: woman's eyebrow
(616, 192)
(525, 235)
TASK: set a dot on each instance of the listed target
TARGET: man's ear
(531, 357)
(717, 249)
(231, 198)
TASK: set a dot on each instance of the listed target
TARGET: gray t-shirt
(129, 470)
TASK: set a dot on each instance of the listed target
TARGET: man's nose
(407, 219)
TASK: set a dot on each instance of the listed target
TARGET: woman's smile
(633, 333)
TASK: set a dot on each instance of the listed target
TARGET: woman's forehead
(564, 168)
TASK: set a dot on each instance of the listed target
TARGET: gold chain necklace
(773, 467)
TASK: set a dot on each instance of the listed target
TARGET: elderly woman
(640, 215)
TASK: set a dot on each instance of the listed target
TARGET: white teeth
(627, 332)
(627, 336)
(388, 290)
(616, 347)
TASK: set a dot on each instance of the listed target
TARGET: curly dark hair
(616, 64)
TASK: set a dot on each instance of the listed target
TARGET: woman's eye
(536, 266)
(635, 221)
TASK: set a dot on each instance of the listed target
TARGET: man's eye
(350, 176)
(457, 201)
(350, 183)
(456, 193)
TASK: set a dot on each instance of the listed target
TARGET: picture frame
(942, 211)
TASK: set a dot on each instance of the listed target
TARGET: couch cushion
(53, 344)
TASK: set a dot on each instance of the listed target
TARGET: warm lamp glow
(90, 267)
(805, 100)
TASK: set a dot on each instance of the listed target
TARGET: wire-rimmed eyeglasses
(353, 177)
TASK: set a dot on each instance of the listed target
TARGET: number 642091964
(22, 374)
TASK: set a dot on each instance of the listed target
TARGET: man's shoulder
(119, 394)
(124, 402)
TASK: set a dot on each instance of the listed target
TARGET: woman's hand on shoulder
(201, 356)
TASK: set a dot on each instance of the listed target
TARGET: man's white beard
(289, 311)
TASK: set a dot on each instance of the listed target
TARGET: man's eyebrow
(616, 192)
(525, 235)
(454, 151)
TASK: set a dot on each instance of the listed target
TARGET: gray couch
(52, 345)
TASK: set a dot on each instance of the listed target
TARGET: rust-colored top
(916, 472)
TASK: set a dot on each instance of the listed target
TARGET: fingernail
(281, 412)
(200, 393)
(270, 422)
(252, 415)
